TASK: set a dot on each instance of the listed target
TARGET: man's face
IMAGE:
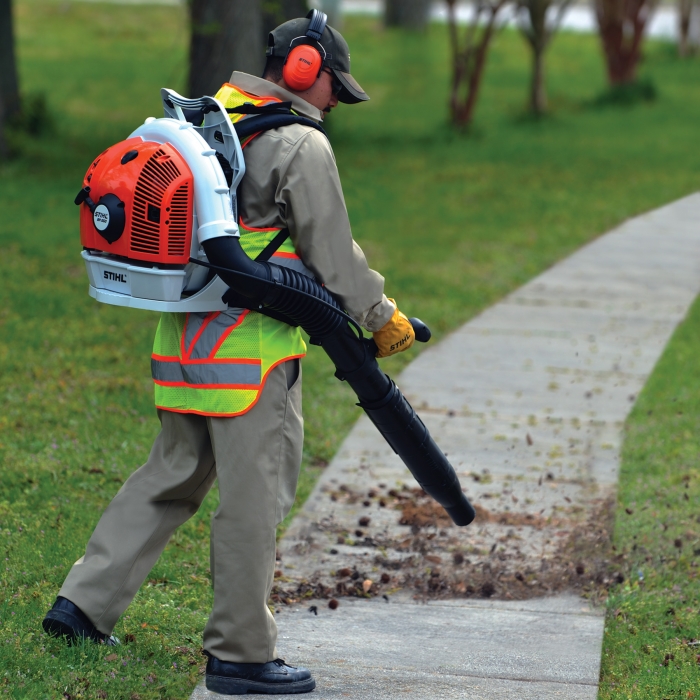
(320, 94)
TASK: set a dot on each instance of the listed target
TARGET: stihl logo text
(115, 276)
(401, 342)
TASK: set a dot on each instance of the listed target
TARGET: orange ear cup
(302, 67)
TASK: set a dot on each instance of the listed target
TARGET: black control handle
(423, 334)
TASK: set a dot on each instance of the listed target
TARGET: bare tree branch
(556, 24)
(468, 55)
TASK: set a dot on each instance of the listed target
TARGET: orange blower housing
(138, 203)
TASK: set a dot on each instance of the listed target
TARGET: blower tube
(266, 287)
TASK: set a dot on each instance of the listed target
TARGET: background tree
(277, 11)
(10, 105)
(411, 14)
(538, 29)
(621, 24)
(333, 9)
(468, 55)
(225, 35)
(687, 11)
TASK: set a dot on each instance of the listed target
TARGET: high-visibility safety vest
(216, 364)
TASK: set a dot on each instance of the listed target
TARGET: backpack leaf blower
(157, 220)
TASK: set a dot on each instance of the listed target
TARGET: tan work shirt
(292, 181)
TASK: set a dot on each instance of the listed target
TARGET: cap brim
(351, 93)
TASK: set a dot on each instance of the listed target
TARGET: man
(248, 434)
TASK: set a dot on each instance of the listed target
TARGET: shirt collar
(264, 88)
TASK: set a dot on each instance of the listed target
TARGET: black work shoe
(65, 619)
(271, 678)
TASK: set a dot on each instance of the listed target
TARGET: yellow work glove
(394, 336)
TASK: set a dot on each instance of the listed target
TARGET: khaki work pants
(256, 458)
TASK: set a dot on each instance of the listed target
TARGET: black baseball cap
(337, 52)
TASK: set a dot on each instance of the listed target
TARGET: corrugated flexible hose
(302, 301)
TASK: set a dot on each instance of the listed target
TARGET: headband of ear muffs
(304, 60)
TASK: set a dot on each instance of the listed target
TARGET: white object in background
(334, 11)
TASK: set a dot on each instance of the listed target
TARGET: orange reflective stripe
(286, 255)
(242, 224)
(250, 138)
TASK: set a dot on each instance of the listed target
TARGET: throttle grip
(423, 334)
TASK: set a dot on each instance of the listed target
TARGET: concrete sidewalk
(528, 399)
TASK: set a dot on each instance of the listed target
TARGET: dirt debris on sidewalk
(430, 557)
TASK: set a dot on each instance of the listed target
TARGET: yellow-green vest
(216, 364)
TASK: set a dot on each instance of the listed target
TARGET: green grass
(454, 222)
(652, 623)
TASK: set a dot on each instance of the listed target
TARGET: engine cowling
(140, 200)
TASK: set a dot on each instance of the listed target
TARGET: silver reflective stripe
(211, 334)
(166, 371)
(206, 373)
(194, 323)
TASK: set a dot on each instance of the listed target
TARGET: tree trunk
(10, 105)
(411, 14)
(537, 34)
(275, 12)
(621, 24)
(466, 113)
(3, 142)
(685, 9)
(688, 27)
(469, 58)
(9, 84)
(292, 9)
(538, 91)
(226, 36)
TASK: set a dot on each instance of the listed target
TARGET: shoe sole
(240, 686)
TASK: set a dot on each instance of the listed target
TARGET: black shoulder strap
(271, 108)
(273, 246)
(264, 122)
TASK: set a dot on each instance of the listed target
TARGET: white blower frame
(140, 285)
